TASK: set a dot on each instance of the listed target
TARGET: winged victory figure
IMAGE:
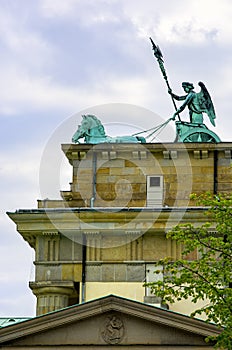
(198, 103)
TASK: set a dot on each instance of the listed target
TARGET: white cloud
(87, 13)
(18, 257)
(19, 176)
(26, 47)
(20, 91)
(51, 8)
(16, 298)
(183, 22)
(12, 163)
(24, 85)
(37, 40)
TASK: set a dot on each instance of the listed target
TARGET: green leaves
(208, 276)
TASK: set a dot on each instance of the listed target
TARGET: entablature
(170, 150)
(103, 221)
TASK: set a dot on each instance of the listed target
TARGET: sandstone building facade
(107, 231)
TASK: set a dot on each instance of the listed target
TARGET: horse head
(90, 126)
(81, 131)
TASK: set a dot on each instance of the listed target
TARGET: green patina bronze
(197, 103)
(92, 131)
(191, 132)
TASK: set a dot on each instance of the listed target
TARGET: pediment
(110, 320)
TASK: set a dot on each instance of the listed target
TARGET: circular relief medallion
(113, 330)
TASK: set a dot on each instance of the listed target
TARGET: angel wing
(205, 102)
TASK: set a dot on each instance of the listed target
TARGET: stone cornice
(107, 304)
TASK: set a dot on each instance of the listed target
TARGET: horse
(92, 130)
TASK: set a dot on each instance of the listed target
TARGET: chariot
(190, 132)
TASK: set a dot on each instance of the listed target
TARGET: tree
(209, 277)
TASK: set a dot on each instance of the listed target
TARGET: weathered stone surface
(109, 322)
(48, 272)
(135, 272)
(71, 272)
(123, 234)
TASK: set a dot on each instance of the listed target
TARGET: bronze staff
(159, 57)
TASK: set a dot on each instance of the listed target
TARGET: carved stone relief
(113, 329)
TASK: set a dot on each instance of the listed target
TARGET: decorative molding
(135, 154)
(200, 154)
(51, 245)
(143, 154)
(91, 232)
(173, 249)
(213, 232)
(31, 239)
(82, 155)
(133, 232)
(170, 154)
(173, 154)
(197, 154)
(228, 154)
(50, 233)
(93, 244)
(105, 155)
(204, 154)
(110, 304)
(113, 155)
(113, 329)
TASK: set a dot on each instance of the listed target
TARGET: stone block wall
(109, 175)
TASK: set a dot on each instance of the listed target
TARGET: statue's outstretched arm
(187, 101)
(176, 97)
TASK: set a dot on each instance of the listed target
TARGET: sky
(60, 59)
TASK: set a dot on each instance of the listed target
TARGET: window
(154, 191)
(154, 181)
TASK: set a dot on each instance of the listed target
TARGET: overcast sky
(60, 58)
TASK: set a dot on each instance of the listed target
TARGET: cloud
(62, 57)
(86, 13)
(22, 47)
(19, 178)
(61, 8)
(9, 167)
(37, 75)
(43, 93)
(182, 22)
(16, 259)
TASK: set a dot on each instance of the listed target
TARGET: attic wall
(117, 175)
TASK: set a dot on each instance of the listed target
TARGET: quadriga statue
(92, 131)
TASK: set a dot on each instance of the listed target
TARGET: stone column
(51, 297)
